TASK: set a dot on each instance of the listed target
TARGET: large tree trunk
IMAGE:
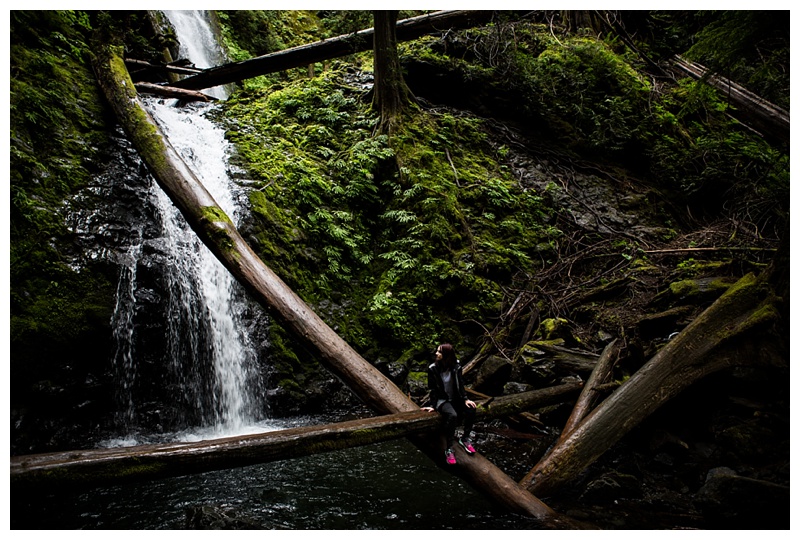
(109, 466)
(218, 232)
(724, 335)
(390, 93)
(303, 55)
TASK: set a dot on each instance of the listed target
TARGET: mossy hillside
(413, 238)
(309, 144)
(591, 96)
(457, 228)
(58, 133)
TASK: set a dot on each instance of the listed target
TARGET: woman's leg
(450, 422)
(469, 421)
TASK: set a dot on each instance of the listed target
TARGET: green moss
(685, 288)
(58, 136)
(754, 291)
(420, 377)
(412, 250)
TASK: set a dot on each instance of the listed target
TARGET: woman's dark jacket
(438, 395)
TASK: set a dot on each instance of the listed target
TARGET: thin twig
(455, 172)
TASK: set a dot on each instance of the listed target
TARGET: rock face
(731, 501)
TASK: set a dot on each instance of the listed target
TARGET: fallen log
(111, 466)
(759, 114)
(517, 403)
(172, 92)
(722, 336)
(168, 68)
(218, 232)
(569, 360)
(588, 397)
(326, 49)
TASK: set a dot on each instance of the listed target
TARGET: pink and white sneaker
(466, 444)
(450, 456)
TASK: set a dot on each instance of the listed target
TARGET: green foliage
(698, 150)
(57, 129)
(418, 250)
(310, 143)
(590, 94)
(577, 90)
(750, 47)
(450, 238)
(586, 94)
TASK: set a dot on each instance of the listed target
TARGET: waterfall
(123, 325)
(197, 43)
(213, 379)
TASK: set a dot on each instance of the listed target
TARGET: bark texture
(390, 93)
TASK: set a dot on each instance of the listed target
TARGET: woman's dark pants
(453, 416)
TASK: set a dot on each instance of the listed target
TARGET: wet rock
(732, 501)
(611, 486)
(748, 440)
(416, 384)
(493, 374)
(558, 328)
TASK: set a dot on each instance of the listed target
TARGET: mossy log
(217, 231)
(761, 115)
(563, 359)
(726, 334)
(110, 466)
(303, 55)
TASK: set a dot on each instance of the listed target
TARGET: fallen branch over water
(172, 92)
(111, 466)
(326, 49)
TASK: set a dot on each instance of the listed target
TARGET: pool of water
(389, 485)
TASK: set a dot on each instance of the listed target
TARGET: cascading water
(197, 43)
(205, 301)
(214, 373)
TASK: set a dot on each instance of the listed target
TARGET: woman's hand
(469, 403)
(427, 409)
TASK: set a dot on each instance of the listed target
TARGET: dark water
(383, 486)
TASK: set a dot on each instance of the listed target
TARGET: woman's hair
(448, 359)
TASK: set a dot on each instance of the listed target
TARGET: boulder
(492, 376)
(731, 501)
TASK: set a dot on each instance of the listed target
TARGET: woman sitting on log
(449, 397)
